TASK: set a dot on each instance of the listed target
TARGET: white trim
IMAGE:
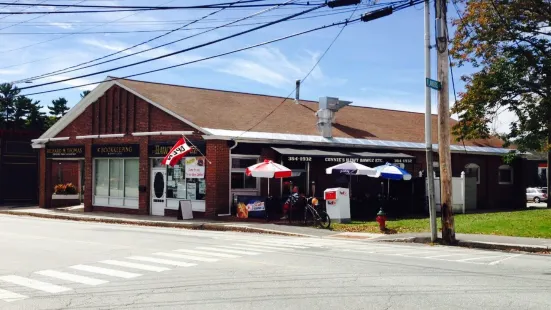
(60, 197)
(169, 112)
(505, 167)
(113, 135)
(38, 146)
(162, 133)
(92, 97)
(59, 139)
(225, 138)
(88, 137)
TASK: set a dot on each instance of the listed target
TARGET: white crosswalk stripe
(11, 296)
(71, 277)
(247, 248)
(190, 257)
(254, 247)
(279, 245)
(35, 284)
(162, 261)
(224, 255)
(227, 251)
(106, 271)
(134, 265)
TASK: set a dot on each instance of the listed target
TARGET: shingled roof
(210, 108)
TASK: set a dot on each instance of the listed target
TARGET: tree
(36, 119)
(508, 41)
(22, 107)
(58, 108)
(84, 94)
(8, 95)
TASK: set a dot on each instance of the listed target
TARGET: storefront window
(116, 178)
(102, 178)
(239, 180)
(131, 177)
(186, 180)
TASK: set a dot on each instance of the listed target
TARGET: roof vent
(328, 106)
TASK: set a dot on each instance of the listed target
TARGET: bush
(65, 189)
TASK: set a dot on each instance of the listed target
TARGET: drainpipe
(230, 195)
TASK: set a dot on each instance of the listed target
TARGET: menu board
(191, 191)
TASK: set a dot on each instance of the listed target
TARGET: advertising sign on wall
(195, 168)
(116, 150)
(74, 151)
(250, 206)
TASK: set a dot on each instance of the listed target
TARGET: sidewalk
(505, 243)
(76, 214)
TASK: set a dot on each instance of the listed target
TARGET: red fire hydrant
(381, 219)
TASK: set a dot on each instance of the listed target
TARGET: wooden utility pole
(448, 227)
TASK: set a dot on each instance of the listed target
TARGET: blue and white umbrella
(350, 168)
(392, 172)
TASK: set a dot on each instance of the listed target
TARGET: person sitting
(290, 202)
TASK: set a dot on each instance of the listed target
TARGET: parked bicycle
(313, 215)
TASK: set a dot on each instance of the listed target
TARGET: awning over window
(308, 154)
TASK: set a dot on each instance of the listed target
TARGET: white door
(158, 191)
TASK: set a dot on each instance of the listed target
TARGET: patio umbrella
(350, 168)
(391, 172)
(268, 169)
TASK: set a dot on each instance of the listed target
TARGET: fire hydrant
(381, 219)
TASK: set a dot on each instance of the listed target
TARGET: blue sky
(377, 64)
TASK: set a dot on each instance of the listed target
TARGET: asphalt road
(53, 264)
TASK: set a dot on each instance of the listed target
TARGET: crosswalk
(15, 288)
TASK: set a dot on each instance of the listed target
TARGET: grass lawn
(521, 223)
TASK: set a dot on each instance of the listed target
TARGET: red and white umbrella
(268, 169)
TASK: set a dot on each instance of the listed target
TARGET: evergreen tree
(36, 119)
(58, 108)
(8, 95)
(21, 110)
(84, 94)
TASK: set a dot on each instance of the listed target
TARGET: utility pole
(448, 227)
(428, 130)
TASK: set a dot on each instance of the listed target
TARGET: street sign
(433, 84)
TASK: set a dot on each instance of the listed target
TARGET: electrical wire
(202, 59)
(184, 50)
(67, 35)
(134, 7)
(17, 23)
(302, 80)
(79, 66)
(213, 6)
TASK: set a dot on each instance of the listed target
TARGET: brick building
(113, 140)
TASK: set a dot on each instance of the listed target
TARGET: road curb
(192, 226)
(477, 245)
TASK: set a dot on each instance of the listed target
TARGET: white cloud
(75, 82)
(270, 66)
(62, 25)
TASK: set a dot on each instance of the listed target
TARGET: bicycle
(313, 215)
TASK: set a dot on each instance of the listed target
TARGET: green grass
(522, 223)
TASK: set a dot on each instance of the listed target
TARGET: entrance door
(158, 191)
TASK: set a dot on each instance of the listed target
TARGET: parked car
(536, 194)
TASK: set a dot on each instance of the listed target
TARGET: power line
(76, 67)
(7, 15)
(210, 6)
(67, 35)
(302, 80)
(184, 50)
(130, 6)
(203, 59)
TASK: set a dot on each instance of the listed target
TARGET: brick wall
(64, 172)
(117, 111)
(217, 178)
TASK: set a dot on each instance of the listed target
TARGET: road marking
(190, 257)
(227, 251)
(71, 277)
(255, 246)
(279, 245)
(296, 243)
(475, 258)
(161, 261)
(106, 271)
(10, 296)
(444, 255)
(506, 258)
(134, 265)
(411, 253)
(207, 253)
(246, 247)
(34, 284)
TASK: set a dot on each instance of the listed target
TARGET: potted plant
(65, 191)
